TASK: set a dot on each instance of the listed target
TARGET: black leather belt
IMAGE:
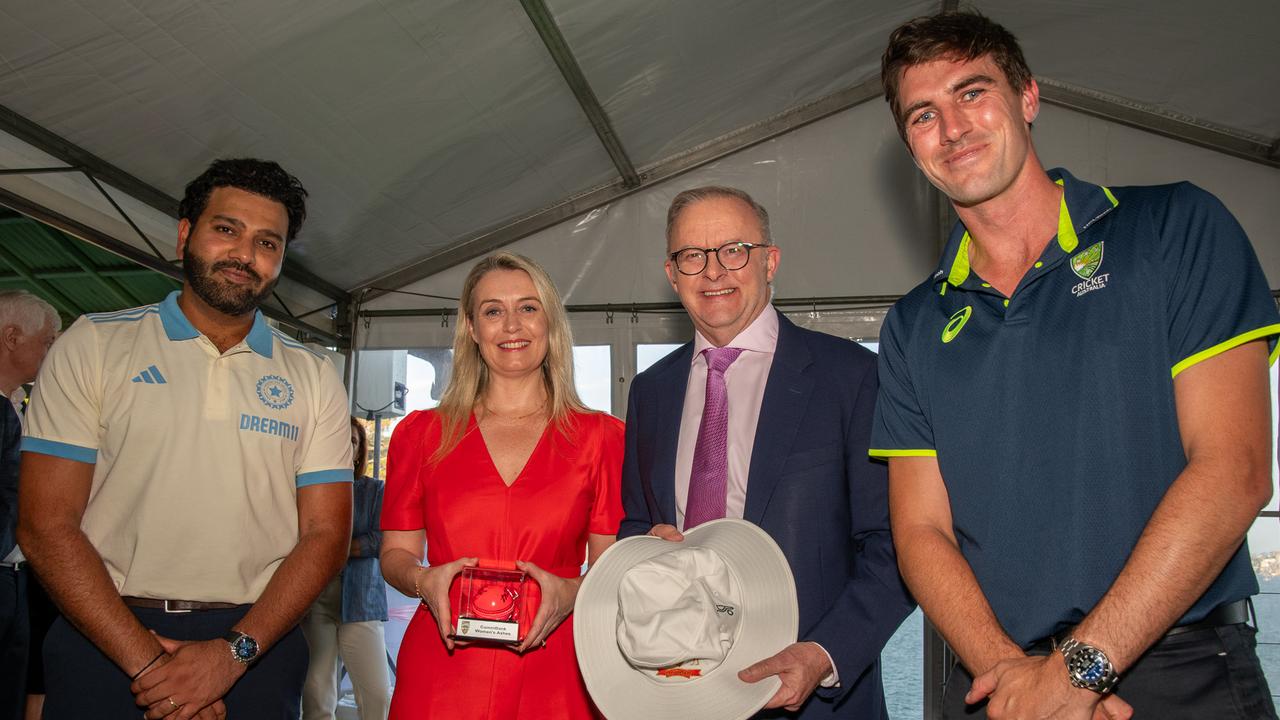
(1232, 613)
(176, 606)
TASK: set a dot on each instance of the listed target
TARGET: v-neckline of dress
(489, 455)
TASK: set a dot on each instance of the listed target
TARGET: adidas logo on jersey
(151, 376)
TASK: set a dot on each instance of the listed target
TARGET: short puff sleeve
(412, 442)
(606, 508)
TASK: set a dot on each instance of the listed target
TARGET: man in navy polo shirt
(1075, 413)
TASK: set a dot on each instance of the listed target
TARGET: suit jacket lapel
(786, 395)
(669, 406)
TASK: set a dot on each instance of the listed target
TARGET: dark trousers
(81, 682)
(41, 611)
(1206, 674)
(15, 628)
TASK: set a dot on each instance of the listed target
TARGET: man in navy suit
(789, 453)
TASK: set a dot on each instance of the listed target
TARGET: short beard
(223, 297)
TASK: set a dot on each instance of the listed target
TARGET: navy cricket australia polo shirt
(1051, 412)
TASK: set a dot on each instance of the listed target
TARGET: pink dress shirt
(745, 380)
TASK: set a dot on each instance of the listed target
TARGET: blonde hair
(470, 375)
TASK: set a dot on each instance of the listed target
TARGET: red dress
(570, 486)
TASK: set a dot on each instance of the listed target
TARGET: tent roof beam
(129, 252)
(80, 159)
(490, 240)
(1178, 127)
(82, 259)
(564, 58)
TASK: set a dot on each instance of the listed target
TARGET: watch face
(1092, 667)
(245, 648)
(1089, 669)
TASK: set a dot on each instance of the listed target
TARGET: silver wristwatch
(244, 648)
(1088, 667)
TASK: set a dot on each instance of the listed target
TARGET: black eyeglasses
(731, 256)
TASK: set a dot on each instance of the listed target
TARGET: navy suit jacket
(10, 440)
(811, 486)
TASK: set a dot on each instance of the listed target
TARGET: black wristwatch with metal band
(1088, 667)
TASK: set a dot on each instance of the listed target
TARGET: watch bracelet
(1103, 686)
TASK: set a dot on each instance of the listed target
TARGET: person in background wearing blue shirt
(346, 620)
(1075, 412)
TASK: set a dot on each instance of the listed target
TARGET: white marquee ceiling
(430, 132)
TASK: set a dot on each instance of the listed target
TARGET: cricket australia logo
(275, 392)
(1085, 265)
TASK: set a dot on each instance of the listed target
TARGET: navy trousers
(1209, 673)
(15, 631)
(81, 682)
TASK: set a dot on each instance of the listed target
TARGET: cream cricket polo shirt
(198, 456)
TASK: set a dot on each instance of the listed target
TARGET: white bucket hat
(662, 628)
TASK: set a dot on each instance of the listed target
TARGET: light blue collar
(178, 327)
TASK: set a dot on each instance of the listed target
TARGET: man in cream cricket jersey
(185, 488)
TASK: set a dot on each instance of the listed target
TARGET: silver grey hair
(27, 312)
(693, 195)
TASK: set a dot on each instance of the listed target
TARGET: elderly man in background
(28, 326)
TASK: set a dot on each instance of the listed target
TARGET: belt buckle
(174, 611)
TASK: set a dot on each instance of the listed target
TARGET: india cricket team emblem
(1086, 263)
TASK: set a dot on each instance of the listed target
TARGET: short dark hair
(260, 177)
(693, 195)
(959, 36)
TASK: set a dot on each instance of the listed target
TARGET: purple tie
(709, 480)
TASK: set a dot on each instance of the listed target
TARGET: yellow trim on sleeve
(1227, 345)
(876, 452)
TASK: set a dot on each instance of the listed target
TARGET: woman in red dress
(511, 470)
